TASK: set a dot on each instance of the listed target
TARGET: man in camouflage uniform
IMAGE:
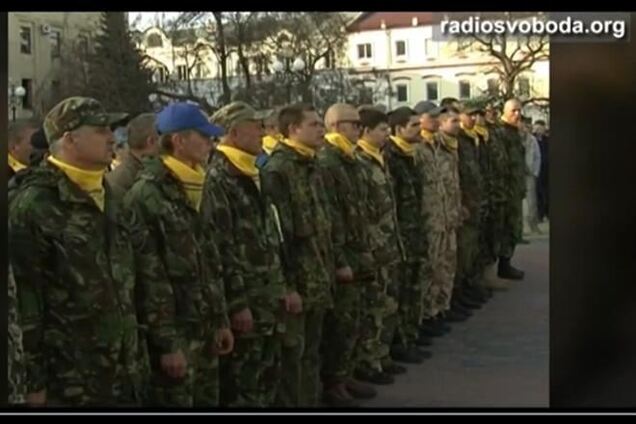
(15, 352)
(432, 200)
(380, 319)
(180, 295)
(346, 191)
(442, 232)
(72, 260)
(511, 187)
(403, 165)
(468, 275)
(143, 141)
(291, 180)
(249, 244)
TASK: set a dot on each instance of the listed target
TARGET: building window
(402, 92)
(330, 60)
(56, 42)
(524, 86)
(493, 86)
(25, 39)
(201, 70)
(432, 91)
(364, 51)
(27, 100)
(464, 90)
(182, 72)
(154, 40)
(400, 48)
(161, 75)
(430, 48)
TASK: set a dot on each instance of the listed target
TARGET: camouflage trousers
(443, 257)
(468, 269)
(300, 360)
(510, 227)
(410, 302)
(199, 387)
(251, 373)
(15, 352)
(487, 253)
(389, 277)
(377, 310)
(342, 332)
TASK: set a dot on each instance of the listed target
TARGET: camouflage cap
(237, 112)
(74, 112)
(470, 107)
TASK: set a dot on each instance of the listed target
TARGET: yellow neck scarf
(270, 142)
(449, 141)
(15, 164)
(191, 179)
(427, 136)
(471, 132)
(243, 161)
(372, 151)
(406, 147)
(92, 182)
(299, 147)
(482, 131)
(341, 142)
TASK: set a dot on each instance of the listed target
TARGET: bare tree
(513, 54)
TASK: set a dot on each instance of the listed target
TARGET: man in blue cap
(180, 293)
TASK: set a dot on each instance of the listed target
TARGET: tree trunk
(220, 33)
(245, 65)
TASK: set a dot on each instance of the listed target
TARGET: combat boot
(507, 271)
(468, 300)
(360, 390)
(491, 281)
(423, 341)
(401, 354)
(454, 315)
(424, 354)
(393, 368)
(430, 328)
(369, 375)
(338, 396)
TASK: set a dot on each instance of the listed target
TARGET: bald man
(511, 187)
(346, 191)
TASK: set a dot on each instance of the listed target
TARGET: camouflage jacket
(347, 192)
(470, 180)
(15, 352)
(428, 159)
(407, 186)
(249, 243)
(381, 211)
(123, 177)
(294, 184)
(449, 172)
(180, 294)
(74, 269)
(511, 174)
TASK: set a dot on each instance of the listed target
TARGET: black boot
(423, 341)
(507, 271)
(430, 328)
(467, 300)
(455, 315)
(408, 356)
(440, 322)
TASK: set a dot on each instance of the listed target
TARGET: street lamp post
(285, 71)
(16, 93)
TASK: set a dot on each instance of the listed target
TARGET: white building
(397, 50)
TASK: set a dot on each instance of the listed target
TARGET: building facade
(36, 45)
(396, 55)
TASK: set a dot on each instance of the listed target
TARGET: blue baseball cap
(185, 116)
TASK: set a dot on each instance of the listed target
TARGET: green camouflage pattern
(294, 184)
(180, 293)
(74, 112)
(380, 298)
(15, 351)
(250, 246)
(346, 191)
(406, 175)
(73, 266)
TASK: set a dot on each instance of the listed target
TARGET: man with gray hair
(142, 142)
(19, 144)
